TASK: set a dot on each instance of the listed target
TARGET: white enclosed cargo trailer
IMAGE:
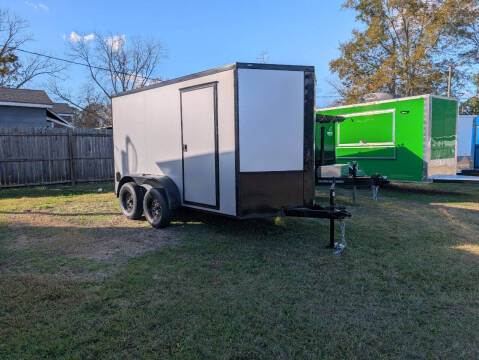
(237, 140)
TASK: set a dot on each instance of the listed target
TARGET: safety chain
(339, 247)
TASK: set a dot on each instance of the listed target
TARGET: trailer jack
(331, 212)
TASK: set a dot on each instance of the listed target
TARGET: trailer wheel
(157, 211)
(131, 200)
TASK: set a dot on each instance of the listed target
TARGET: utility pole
(449, 78)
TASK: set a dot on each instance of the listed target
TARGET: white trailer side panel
(271, 120)
(147, 134)
(465, 141)
(128, 131)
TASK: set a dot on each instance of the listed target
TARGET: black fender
(160, 182)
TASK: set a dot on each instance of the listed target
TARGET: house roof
(62, 108)
(52, 116)
(24, 96)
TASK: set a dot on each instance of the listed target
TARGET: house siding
(15, 117)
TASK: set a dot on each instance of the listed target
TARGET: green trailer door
(443, 128)
(329, 144)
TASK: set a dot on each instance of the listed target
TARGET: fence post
(72, 157)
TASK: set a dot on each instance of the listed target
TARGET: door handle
(185, 147)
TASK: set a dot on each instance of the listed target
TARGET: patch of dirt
(121, 243)
(107, 240)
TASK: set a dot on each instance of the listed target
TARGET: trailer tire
(131, 200)
(157, 211)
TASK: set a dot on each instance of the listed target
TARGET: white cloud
(74, 37)
(37, 6)
(115, 41)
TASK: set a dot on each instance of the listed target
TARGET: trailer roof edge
(241, 65)
(238, 65)
(179, 79)
(387, 101)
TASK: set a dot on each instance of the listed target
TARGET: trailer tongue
(332, 212)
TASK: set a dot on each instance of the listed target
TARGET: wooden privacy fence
(31, 156)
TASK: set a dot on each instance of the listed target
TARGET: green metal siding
(443, 129)
(402, 159)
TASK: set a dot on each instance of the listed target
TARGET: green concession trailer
(411, 139)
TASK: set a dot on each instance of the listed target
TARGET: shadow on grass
(225, 225)
(27, 212)
(433, 189)
(55, 190)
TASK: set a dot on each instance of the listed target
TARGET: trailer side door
(199, 125)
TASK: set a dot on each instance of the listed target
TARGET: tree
(92, 108)
(466, 31)
(113, 65)
(403, 49)
(15, 70)
(92, 116)
(471, 105)
(116, 65)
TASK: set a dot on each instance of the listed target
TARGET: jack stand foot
(339, 247)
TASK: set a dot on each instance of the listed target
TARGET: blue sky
(199, 35)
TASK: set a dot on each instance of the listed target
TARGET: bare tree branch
(16, 71)
(93, 110)
(128, 64)
(114, 64)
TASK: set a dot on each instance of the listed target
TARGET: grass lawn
(79, 281)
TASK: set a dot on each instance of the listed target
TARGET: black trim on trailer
(325, 119)
(266, 192)
(236, 65)
(308, 142)
(241, 65)
(217, 149)
(200, 86)
(212, 84)
(237, 151)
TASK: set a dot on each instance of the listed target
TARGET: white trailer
(468, 143)
(237, 140)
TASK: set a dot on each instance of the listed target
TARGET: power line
(118, 72)
(78, 63)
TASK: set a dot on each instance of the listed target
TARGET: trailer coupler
(333, 213)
